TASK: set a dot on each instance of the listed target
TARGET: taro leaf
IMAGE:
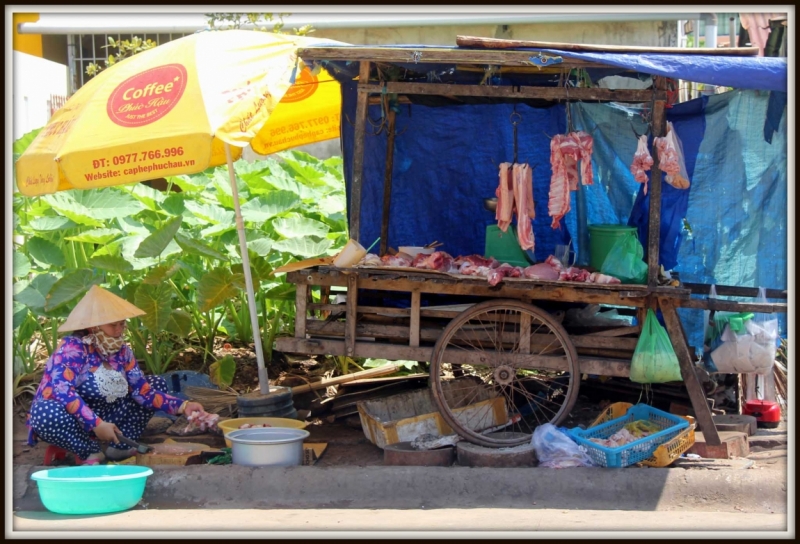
(96, 236)
(129, 291)
(161, 273)
(175, 203)
(22, 144)
(216, 230)
(148, 196)
(111, 263)
(20, 313)
(132, 226)
(284, 291)
(222, 182)
(46, 252)
(238, 277)
(156, 243)
(260, 247)
(294, 227)
(179, 323)
(280, 179)
(247, 171)
(188, 184)
(333, 203)
(198, 248)
(221, 372)
(156, 301)
(215, 288)
(29, 296)
(91, 207)
(261, 268)
(302, 169)
(47, 224)
(265, 207)
(71, 286)
(211, 213)
(43, 283)
(22, 265)
(303, 247)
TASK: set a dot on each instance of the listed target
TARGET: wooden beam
(599, 366)
(387, 182)
(359, 137)
(406, 55)
(300, 316)
(734, 306)
(584, 293)
(351, 315)
(514, 92)
(654, 224)
(693, 386)
(414, 326)
(622, 331)
(733, 291)
(495, 43)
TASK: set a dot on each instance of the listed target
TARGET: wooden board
(494, 43)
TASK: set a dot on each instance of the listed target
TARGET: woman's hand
(107, 431)
(192, 407)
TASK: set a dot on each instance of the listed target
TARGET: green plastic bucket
(504, 246)
(91, 489)
(602, 238)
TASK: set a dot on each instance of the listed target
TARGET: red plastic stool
(54, 453)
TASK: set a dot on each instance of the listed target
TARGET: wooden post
(693, 386)
(413, 333)
(359, 136)
(387, 183)
(654, 225)
(301, 301)
(351, 315)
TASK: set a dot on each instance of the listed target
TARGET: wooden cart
(502, 336)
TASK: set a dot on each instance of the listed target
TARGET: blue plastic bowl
(94, 489)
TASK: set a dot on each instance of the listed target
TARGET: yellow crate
(667, 452)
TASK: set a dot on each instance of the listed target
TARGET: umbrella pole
(263, 381)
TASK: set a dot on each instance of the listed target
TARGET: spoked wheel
(503, 361)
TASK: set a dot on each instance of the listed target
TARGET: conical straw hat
(99, 307)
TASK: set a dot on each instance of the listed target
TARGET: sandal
(93, 459)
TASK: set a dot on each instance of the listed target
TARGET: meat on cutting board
(438, 260)
(401, 259)
(541, 271)
(523, 197)
(503, 271)
(505, 197)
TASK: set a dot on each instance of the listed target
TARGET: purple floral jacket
(70, 366)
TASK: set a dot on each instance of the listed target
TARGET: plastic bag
(680, 180)
(765, 331)
(625, 261)
(654, 360)
(555, 449)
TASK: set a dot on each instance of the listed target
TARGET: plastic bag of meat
(679, 179)
(642, 162)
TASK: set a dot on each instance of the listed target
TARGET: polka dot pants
(54, 425)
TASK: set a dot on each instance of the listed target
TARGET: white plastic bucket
(350, 254)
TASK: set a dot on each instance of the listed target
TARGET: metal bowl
(271, 446)
(490, 204)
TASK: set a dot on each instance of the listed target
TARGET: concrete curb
(233, 487)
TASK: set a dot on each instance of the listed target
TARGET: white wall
(35, 80)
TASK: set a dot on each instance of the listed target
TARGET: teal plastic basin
(94, 489)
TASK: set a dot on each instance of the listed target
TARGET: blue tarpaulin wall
(446, 162)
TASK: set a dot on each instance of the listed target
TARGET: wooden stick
(387, 183)
(359, 142)
(363, 374)
(495, 43)
(654, 225)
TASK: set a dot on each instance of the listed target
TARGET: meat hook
(514, 122)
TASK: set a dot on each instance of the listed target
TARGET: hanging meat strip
(505, 197)
(642, 162)
(523, 197)
(558, 203)
(585, 143)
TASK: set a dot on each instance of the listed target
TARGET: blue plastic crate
(637, 451)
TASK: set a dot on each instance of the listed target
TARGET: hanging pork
(505, 197)
(523, 199)
(566, 150)
(642, 162)
(670, 159)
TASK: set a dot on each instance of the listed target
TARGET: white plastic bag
(765, 330)
(554, 449)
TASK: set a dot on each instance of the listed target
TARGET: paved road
(450, 520)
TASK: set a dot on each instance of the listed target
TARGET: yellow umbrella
(181, 108)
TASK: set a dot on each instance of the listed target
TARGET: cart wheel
(530, 377)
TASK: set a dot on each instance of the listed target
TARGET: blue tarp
(763, 73)
(728, 228)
